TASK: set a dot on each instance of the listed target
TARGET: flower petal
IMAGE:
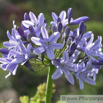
(9, 44)
(44, 32)
(89, 81)
(13, 52)
(3, 60)
(21, 33)
(50, 53)
(60, 27)
(14, 71)
(69, 14)
(27, 23)
(56, 63)
(29, 47)
(26, 16)
(3, 66)
(32, 17)
(28, 66)
(89, 64)
(78, 20)
(4, 51)
(65, 22)
(62, 15)
(32, 30)
(69, 76)
(7, 75)
(81, 84)
(12, 67)
(18, 59)
(22, 47)
(37, 41)
(38, 50)
(54, 16)
(87, 35)
(65, 56)
(41, 19)
(9, 36)
(54, 37)
(53, 23)
(57, 74)
(72, 48)
(90, 44)
(97, 43)
(57, 45)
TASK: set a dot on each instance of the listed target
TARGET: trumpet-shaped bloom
(14, 57)
(47, 43)
(89, 47)
(72, 21)
(33, 20)
(63, 65)
(13, 39)
(61, 17)
(82, 72)
(34, 23)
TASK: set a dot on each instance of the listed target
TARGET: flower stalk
(49, 84)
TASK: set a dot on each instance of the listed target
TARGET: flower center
(63, 64)
(47, 43)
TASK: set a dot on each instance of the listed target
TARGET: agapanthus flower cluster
(72, 52)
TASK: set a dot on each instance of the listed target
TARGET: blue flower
(13, 39)
(94, 71)
(63, 65)
(22, 55)
(5, 61)
(4, 52)
(33, 20)
(61, 17)
(91, 48)
(72, 21)
(14, 57)
(82, 74)
(34, 23)
(47, 43)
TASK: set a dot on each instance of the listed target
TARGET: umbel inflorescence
(73, 53)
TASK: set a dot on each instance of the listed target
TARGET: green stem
(49, 84)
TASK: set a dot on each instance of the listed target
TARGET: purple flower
(62, 19)
(47, 43)
(94, 71)
(5, 61)
(34, 23)
(4, 52)
(23, 54)
(82, 72)
(72, 21)
(33, 20)
(89, 47)
(26, 16)
(63, 65)
(14, 57)
(13, 39)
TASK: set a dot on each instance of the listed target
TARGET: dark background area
(25, 82)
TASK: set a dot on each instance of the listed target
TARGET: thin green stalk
(49, 84)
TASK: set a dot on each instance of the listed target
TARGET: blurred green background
(25, 82)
